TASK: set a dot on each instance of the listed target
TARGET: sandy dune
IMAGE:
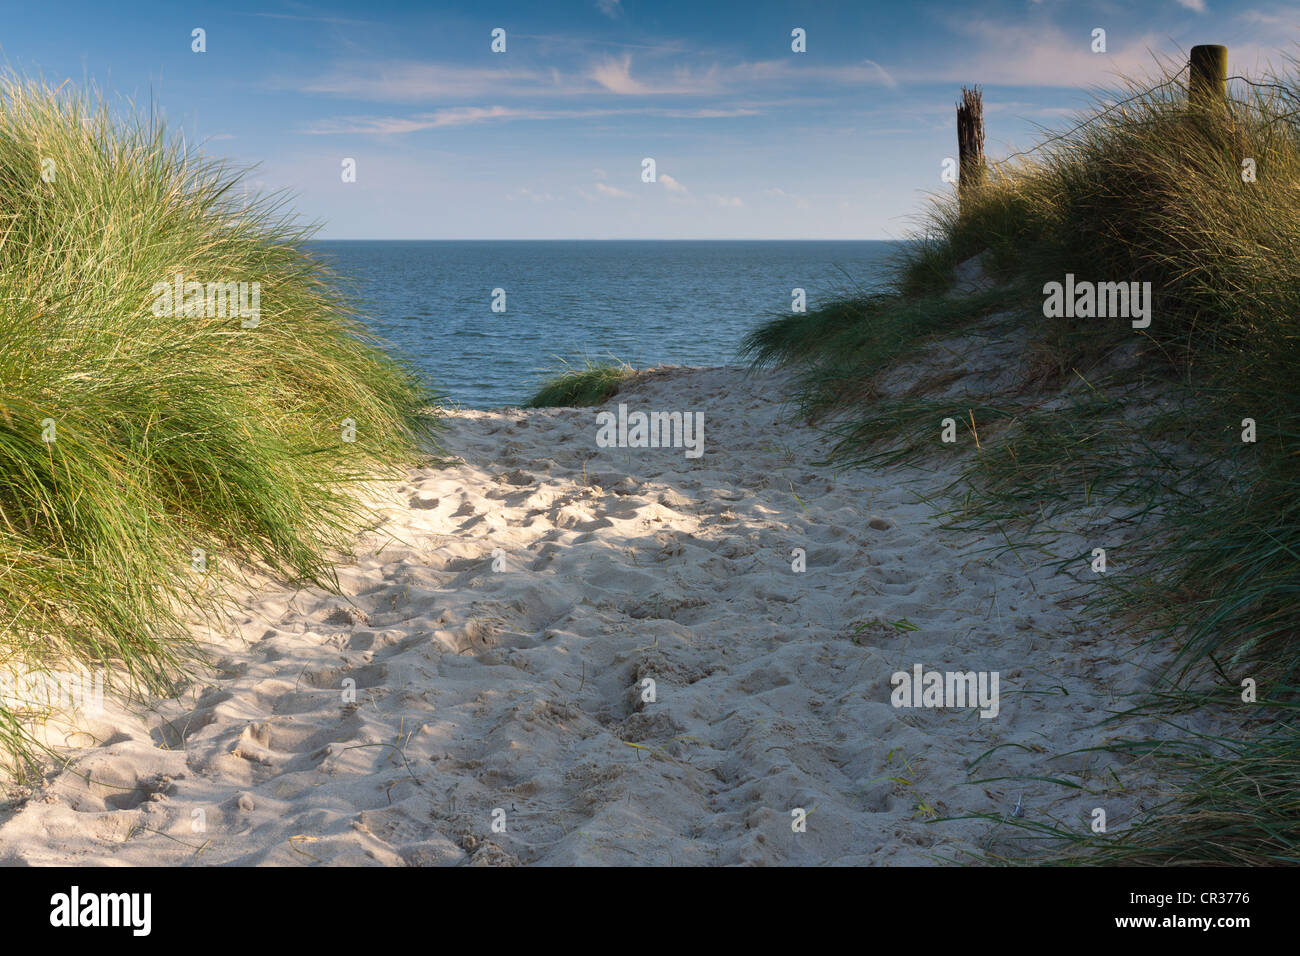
(521, 690)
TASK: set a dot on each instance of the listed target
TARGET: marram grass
(1154, 191)
(573, 387)
(140, 453)
(1150, 191)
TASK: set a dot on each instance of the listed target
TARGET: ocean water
(642, 302)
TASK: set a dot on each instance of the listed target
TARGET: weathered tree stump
(970, 142)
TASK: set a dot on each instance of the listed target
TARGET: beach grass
(147, 449)
(573, 385)
(839, 348)
(1231, 800)
(1149, 190)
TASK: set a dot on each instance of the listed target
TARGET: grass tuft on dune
(572, 386)
(142, 454)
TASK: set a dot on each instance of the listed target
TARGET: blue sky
(546, 140)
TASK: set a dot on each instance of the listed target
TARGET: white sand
(520, 689)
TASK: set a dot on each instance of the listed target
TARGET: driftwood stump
(970, 142)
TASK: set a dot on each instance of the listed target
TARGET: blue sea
(646, 303)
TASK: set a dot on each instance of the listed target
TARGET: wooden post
(1207, 86)
(970, 140)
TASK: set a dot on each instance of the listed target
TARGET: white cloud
(365, 125)
(464, 115)
(1267, 19)
(387, 125)
(784, 72)
(1014, 55)
(611, 8)
(1197, 5)
(613, 191)
(671, 184)
(707, 113)
(471, 115)
(729, 202)
(410, 81)
(389, 81)
(614, 74)
(882, 73)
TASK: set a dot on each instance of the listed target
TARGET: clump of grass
(1241, 808)
(1154, 192)
(1229, 802)
(840, 347)
(572, 387)
(129, 440)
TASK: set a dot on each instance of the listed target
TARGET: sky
(547, 140)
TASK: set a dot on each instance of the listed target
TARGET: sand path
(521, 690)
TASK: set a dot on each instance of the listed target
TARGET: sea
(645, 303)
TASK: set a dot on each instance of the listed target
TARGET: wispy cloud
(671, 184)
(398, 81)
(615, 75)
(1284, 17)
(408, 81)
(709, 113)
(611, 8)
(614, 191)
(364, 125)
(585, 43)
(1197, 5)
(389, 125)
(786, 72)
(453, 116)
(1021, 55)
(527, 193)
(465, 115)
